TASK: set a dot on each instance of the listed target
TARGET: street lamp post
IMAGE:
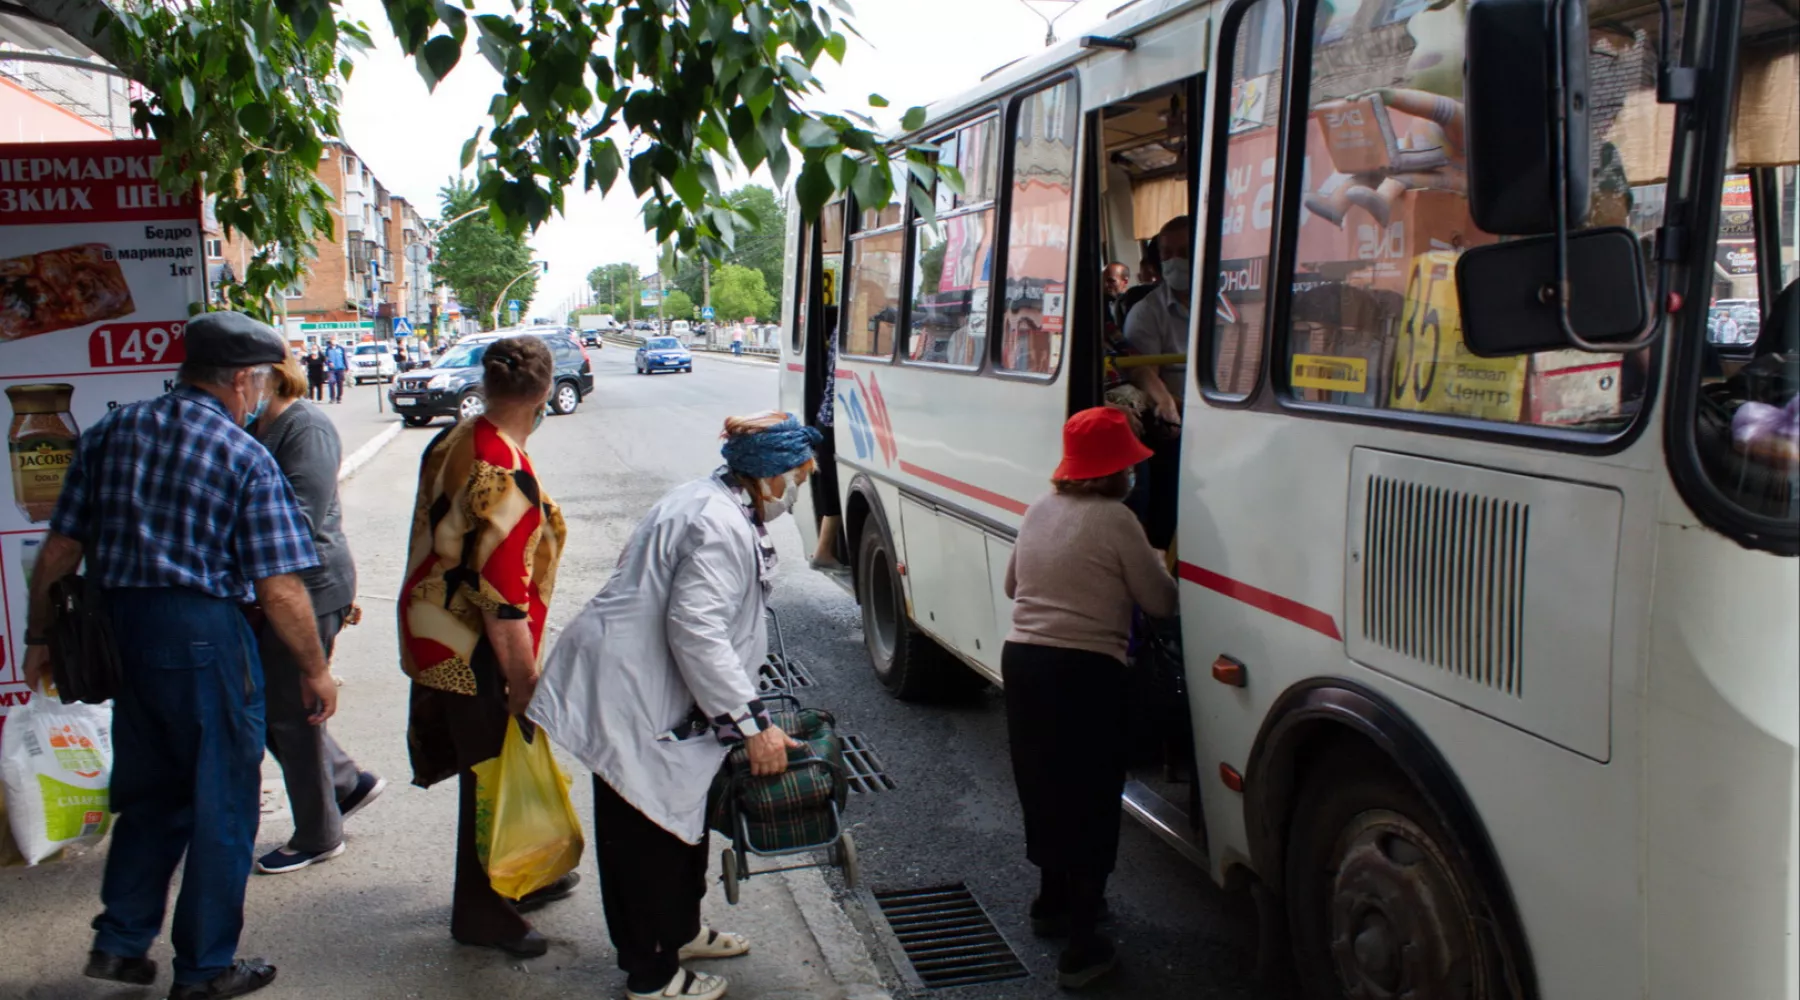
(537, 267)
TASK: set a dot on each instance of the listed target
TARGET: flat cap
(232, 340)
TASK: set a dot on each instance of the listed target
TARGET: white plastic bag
(56, 763)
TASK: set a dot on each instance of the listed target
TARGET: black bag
(84, 659)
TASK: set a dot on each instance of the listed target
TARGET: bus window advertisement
(99, 271)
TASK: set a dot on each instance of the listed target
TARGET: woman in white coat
(653, 682)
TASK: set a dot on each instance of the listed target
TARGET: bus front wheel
(1381, 899)
(908, 662)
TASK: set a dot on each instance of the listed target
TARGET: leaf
(256, 119)
(187, 94)
(603, 157)
(468, 150)
(813, 188)
(438, 58)
(877, 101)
(913, 120)
(923, 203)
(778, 165)
(840, 169)
(814, 134)
(836, 46)
(686, 182)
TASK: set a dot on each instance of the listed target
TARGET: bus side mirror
(1508, 293)
(1526, 122)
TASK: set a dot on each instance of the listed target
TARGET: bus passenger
(1159, 326)
(1080, 566)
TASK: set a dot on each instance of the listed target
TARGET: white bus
(1490, 662)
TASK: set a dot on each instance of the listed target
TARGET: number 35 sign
(123, 345)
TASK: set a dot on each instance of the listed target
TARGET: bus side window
(803, 263)
(1037, 240)
(1376, 320)
(877, 255)
(1242, 209)
(953, 257)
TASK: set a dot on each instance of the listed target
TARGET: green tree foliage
(762, 246)
(477, 259)
(678, 305)
(738, 291)
(666, 94)
(619, 282)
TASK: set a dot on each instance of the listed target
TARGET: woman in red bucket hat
(1080, 566)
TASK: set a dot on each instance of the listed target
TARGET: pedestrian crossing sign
(402, 326)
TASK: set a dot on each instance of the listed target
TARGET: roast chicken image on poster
(57, 289)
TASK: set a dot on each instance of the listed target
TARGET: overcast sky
(917, 51)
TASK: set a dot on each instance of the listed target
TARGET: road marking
(361, 456)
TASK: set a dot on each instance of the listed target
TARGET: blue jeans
(187, 776)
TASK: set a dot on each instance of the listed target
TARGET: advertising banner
(98, 271)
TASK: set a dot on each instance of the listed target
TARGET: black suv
(451, 387)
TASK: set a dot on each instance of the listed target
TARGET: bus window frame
(940, 130)
(854, 234)
(805, 248)
(1003, 228)
(1276, 397)
(1210, 239)
(1704, 129)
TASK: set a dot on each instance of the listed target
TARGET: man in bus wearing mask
(1159, 326)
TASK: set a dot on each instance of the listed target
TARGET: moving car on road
(663, 354)
(451, 387)
(373, 363)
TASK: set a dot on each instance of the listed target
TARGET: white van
(373, 362)
(680, 328)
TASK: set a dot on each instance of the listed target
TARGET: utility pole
(706, 282)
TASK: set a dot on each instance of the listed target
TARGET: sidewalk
(375, 922)
(357, 419)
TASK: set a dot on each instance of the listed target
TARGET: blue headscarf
(768, 454)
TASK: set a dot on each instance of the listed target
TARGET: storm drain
(947, 937)
(778, 674)
(866, 772)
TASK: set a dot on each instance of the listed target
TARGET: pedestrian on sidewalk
(737, 340)
(183, 519)
(315, 374)
(336, 364)
(324, 786)
(1080, 566)
(480, 573)
(655, 680)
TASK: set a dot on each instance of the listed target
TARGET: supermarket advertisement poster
(99, 269)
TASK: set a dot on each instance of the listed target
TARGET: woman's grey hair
(213, 375)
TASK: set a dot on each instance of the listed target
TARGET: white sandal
(687, 986)
(715, 944)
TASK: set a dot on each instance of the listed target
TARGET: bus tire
(1381, 898)
(909, 663)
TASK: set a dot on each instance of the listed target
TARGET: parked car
(451, 387)
(373, 362)
(663, 354)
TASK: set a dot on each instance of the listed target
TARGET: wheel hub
(1400, 922)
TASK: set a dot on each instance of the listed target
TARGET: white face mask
(1179, 275)
(774, 507)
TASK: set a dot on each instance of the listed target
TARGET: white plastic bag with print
(55, 763)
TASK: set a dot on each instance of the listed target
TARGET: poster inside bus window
(99, 269)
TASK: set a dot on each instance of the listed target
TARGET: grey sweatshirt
(307, 447)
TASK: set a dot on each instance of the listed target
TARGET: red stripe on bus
(966, 489)
(795, 366)
(1256, 597)
(1578, 369)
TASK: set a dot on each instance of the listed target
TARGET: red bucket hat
(1098, 443)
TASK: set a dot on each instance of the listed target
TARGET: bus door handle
(1229, 670)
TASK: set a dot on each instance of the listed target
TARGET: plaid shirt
(171, 492)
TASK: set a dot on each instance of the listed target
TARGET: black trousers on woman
(1066, 722)
(651, 885)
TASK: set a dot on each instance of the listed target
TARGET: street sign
(706, 312)
(402, 326)
(513, 304)
(648, 298)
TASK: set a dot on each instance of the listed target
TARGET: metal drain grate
(866, 772)
(947, 937)
(778, 674)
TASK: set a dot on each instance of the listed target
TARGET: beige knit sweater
(1080, 565)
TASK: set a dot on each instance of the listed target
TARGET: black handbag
(84, 658)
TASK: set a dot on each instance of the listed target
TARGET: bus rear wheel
(1381, 899)
(908, 662)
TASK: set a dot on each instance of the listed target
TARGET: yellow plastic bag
(526, 832)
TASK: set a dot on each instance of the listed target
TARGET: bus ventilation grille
(947, 937)
(866, 772)
(778, 674)
(1444, 579)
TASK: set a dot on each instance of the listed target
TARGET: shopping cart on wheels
(800, 811)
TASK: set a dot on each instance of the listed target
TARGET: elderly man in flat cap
(183, 518)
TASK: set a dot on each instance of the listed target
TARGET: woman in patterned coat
(480, 571)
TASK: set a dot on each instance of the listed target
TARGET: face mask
(256, 410)
(774, 507)
(539, 422)
(1178, 275)
(1130, 481)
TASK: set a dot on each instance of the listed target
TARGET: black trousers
(1161, 505)
(1069, 786)
(478, 914)
(651, 885)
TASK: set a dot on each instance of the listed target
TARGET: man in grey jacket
(324, 786)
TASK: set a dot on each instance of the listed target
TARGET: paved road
(358, 419)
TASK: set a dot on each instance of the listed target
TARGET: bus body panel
(792, 377)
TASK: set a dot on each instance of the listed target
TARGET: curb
(361, 456)
(847, 957)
